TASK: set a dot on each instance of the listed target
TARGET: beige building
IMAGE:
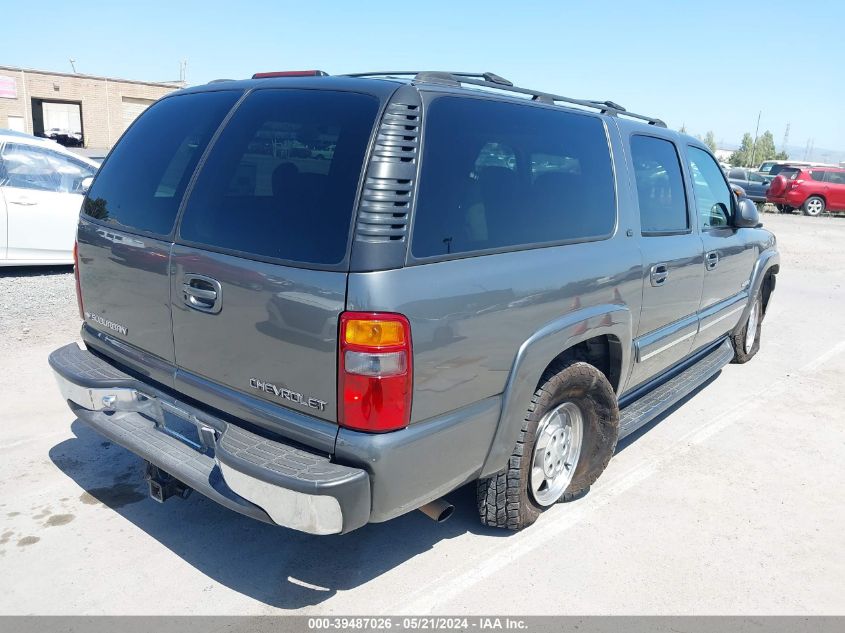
(94, 109)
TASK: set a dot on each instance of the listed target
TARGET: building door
(132, 108)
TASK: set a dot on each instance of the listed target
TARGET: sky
(707, 65)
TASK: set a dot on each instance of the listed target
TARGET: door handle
(202, 293)
(23, 202)
(659, 274)
(711, 260)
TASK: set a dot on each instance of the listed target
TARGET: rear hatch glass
(281, 180)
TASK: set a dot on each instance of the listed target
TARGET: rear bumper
(789, 198)
(246, 472)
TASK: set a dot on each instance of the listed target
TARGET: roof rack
(494, 81)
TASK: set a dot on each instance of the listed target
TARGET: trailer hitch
(163, 485)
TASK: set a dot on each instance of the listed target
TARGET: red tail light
(375, 371)
(76, 279)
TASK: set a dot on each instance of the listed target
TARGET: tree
(751, 154)
(710, 141)
(742, 156)
(765, 149)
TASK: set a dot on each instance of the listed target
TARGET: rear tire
(746, 342)
(813, 206)
(571, 394)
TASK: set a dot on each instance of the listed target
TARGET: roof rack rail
(421, 75)
(491, 80)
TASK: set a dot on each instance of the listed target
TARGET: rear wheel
(566, 441)
(813, 206)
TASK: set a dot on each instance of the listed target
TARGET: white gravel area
(37, 305)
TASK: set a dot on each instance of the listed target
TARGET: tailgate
(260, 262)
(274, 336)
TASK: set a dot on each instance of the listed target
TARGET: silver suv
(323, 301)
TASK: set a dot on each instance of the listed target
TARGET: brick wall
(102, 100)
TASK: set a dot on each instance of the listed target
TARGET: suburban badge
(117, 327)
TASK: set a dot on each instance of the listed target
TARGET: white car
(41, 190)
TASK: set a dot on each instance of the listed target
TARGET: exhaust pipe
(440, 510)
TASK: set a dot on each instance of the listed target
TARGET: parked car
(772, 168)
(753, 184)
(64, 137)
(341, 341)
(814, 190)
(41, 189)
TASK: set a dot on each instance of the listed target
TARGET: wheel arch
(767, 266)
(602, 333)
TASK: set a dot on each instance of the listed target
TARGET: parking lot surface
(730, 504)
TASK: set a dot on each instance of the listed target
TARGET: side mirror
(747, 215)
(85, 185)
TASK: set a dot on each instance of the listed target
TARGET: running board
(644, 409)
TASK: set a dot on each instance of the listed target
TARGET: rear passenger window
(141, 184)
(660, 186)
(499, 174)
(818, 175)
(281, 179)
(835, 177)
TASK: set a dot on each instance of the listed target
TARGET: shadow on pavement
(280, 567)
(35, 271)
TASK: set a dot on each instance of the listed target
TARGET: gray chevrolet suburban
(323, 301)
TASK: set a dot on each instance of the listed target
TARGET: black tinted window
(835, 177)
(660, 187)
(281, 180)
(142, 183)
(499, 174)
(736, 174)
(815, 174)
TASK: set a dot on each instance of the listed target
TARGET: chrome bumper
(249, 473)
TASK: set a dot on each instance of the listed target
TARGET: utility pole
(785, 138)
(756, 132)
(73, 64)
(183, 71)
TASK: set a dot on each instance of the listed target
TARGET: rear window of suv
(281, 180)
(140, 186)
(498, 174)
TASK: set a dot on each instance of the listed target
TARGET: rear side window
(736, 174)
(660, 186)
(281, 180)
(141, 184)
(499, 174)
(817, 175)
(835, 177)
